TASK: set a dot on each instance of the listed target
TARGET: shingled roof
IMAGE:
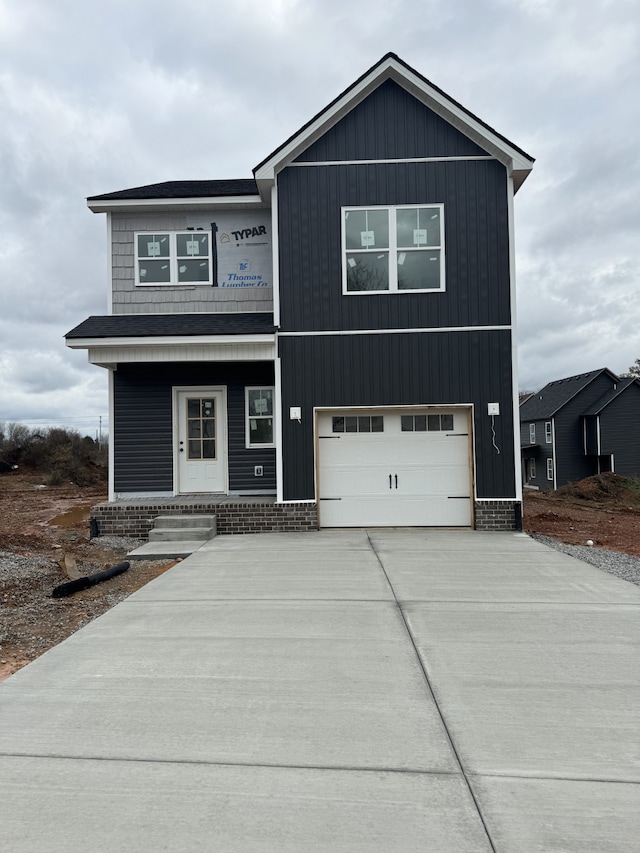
(184, 189)
(611, 395)
(171, 325)
(557, 394)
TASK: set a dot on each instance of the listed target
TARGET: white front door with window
(201, 440)
(394, 468)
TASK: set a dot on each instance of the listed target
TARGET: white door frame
(202, 390)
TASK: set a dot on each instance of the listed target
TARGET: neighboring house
(335, 333)
(581, 426)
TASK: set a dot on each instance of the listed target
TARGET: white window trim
(548, 432)
(173, 259)
(247, 417)
(532, 469)
(550, 468)
(532, 433)
(392, 249)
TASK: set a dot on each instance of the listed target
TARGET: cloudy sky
(101, 96)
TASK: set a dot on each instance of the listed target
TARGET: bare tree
(634, 370)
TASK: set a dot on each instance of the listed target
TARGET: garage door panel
(441, 480)
(379, 512)
(395, 477)
(341, 480)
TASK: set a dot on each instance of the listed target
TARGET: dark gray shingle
(184, 189)
(163, 325)
(556, 394)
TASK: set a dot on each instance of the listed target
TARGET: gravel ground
(622, 566)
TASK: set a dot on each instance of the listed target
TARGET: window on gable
(393, 249)
(168, 258)
(532, 433)
(259, 415)
(547, 432)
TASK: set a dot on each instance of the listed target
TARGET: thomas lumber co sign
(243, 248)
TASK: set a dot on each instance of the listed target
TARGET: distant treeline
(60, 455)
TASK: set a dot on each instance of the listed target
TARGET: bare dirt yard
(44, 542)
(44, 534)
(604, 509)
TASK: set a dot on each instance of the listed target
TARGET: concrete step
(165, 550)
(181, 534)
(189, 521)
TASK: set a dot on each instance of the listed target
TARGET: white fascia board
(516, 162)
(171, 340)
(146, 205)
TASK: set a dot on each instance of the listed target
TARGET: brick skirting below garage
(134, 518)
(498, 515)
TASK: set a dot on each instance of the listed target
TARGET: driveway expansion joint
(423, 668)
(333, 768)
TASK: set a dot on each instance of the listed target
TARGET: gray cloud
(98, 97)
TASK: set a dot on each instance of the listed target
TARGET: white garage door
(390, 468)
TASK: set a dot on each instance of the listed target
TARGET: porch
(133, 517)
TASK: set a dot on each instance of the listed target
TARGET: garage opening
(394, 467)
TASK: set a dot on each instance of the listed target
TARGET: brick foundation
(498, 515)
(135, 518)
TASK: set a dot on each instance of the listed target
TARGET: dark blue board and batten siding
(437, 368)
(401, 369)
(620, 431)
(572, 464)
(477, 276)
(143, 433)
(390, 124)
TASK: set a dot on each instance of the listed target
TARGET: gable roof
(163, 325)
(177, 194)
(391, 67)
(611, 395)
(557, 394)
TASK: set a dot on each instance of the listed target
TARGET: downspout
(214, 255)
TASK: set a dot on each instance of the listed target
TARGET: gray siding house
(580, 426)
(334, 335)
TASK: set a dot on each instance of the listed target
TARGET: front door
(201, 440)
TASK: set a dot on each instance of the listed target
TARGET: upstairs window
(182, 257)
(532, 433)
(547, 432)
(393, 249)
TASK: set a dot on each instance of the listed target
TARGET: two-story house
(580, 426)
(334, 338)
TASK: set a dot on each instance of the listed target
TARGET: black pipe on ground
(91, 580)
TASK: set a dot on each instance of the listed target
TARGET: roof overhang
(109, 352)
(518, 163)
(151, 205)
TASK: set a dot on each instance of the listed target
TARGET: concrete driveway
(390, 690)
